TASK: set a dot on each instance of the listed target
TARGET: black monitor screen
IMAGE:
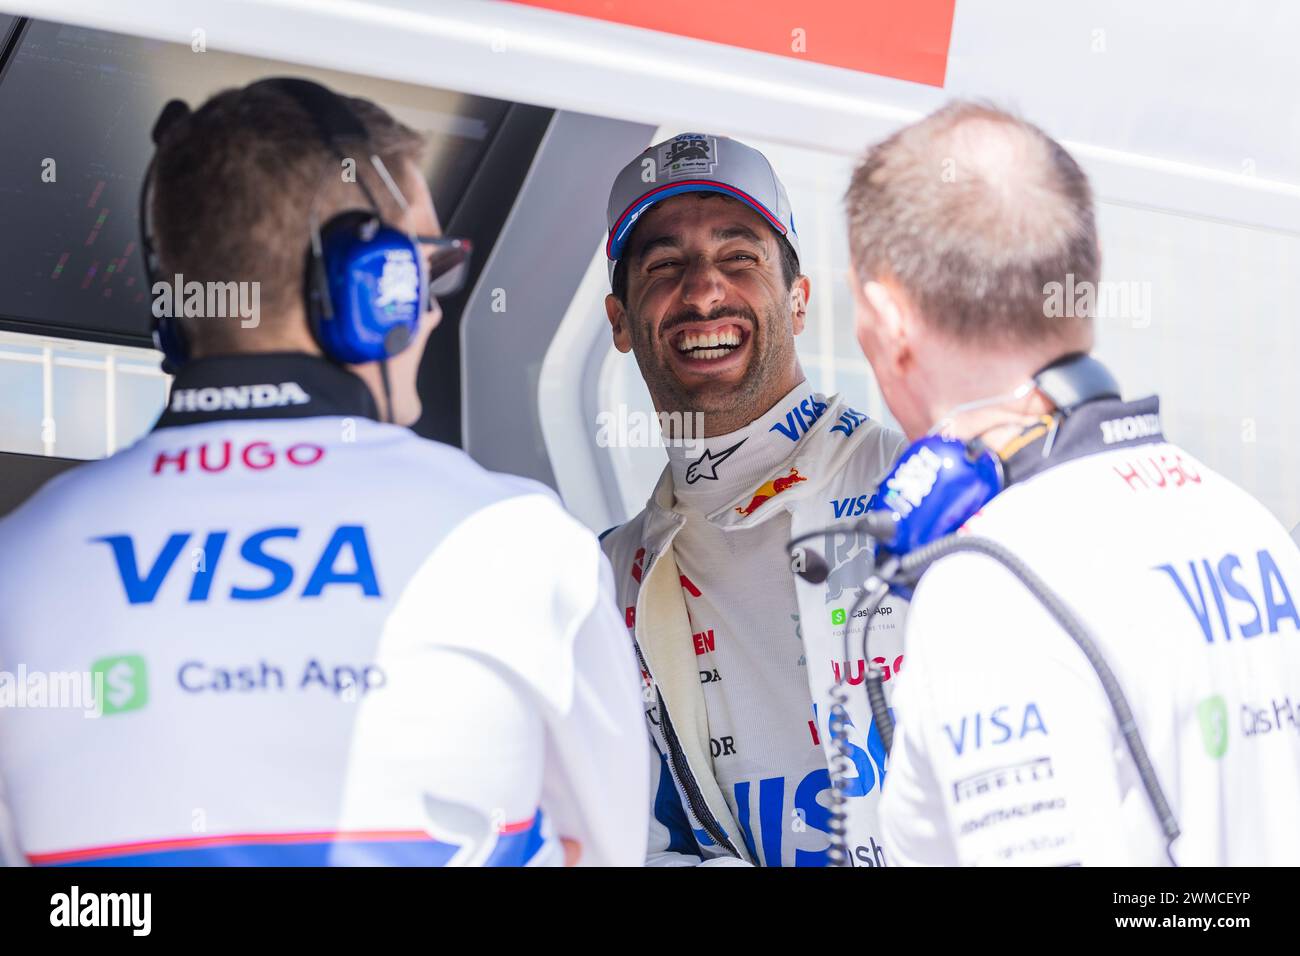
(76, 109)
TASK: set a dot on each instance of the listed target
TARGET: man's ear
(618, 323)
(893, 317)
(800, 293)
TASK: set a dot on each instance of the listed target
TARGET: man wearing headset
(1007, 750)
(737, 653)
(278, 597)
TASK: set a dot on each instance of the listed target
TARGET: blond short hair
(973, 212)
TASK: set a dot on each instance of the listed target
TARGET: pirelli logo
(1003, 778)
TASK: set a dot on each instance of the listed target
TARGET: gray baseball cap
(695, 162)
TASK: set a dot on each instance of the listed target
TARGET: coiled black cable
(873, 592)
(914, 564)
(909, 569)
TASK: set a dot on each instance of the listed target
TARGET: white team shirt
(314, 640)
(1007, 751)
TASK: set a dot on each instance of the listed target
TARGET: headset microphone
(815, 570)
(879, 526)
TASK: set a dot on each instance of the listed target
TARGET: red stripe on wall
(905, 39)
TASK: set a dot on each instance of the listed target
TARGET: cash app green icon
(121, 682)
(1213, 714)
(838, 616)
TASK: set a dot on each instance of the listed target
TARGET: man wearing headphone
(1012, 747)
(286, 604)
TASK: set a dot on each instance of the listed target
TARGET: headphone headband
(366, 286)
(1074, 380)
(174, 112)
(167, 335)
(334, 119)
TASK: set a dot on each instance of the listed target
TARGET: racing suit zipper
(681, 772)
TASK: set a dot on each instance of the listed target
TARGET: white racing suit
(312, 639)
(836, 465)
(1007, 751)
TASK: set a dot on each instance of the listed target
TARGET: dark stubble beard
(726, 406)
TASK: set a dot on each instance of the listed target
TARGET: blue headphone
(939, 482)
(365, 281)
(934, 488)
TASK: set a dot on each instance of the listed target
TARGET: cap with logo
(695, 162)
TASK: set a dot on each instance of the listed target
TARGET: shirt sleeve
(1006, 752)
(595, 781)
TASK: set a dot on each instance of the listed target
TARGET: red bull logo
(770, 489)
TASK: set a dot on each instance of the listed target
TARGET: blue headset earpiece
(365, 287)
(935, 487)
(939, 483)
(365, 290)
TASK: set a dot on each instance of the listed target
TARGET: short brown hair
(973, 211)
(233, 191)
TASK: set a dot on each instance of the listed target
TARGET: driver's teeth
(703, 343)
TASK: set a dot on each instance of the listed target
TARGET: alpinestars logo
(706, 466)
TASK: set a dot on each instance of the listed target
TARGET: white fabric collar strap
(709, 472)
(816, 458)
